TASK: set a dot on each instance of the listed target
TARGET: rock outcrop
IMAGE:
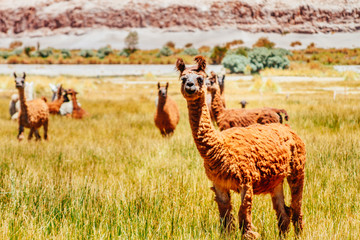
(266, 16)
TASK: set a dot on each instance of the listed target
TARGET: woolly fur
(251, 160)
(54, 106)
(167, 114)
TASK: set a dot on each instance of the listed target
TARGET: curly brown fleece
(167, 112)
(33, 114)
(251, 160)
(228, 118)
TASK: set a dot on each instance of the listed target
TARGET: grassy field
(112, 175)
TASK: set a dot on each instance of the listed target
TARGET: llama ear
(24, 75)
(167, 85)
(180, 65)
(158, 85)
(15, 75)
(201, 62)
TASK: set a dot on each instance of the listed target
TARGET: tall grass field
(113, 176)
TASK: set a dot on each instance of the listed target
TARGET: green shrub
(261, 58)
(191, 51)
(125, 52)
(4, 54)
(85, 53)
(235, 63)
(65, 53)
(165, 51)
(103, 52)
(42, 53)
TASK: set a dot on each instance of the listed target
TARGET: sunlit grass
(112, 175)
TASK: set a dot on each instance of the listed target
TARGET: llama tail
(44, 98)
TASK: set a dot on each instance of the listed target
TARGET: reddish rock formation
(217, 14)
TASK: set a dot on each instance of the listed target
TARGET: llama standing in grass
(33, 114)
(167, 113)
(228, 118)
(251, 160)
(77, 111)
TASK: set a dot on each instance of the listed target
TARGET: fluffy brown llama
(167, 112)
(54, 106)
(33, 114)
(228, 118)
(77, 112)
(251, 160)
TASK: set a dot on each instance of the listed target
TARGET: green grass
(112, 175)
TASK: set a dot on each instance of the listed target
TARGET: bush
(296, 43)
(5, 54)
(17, 52)
(86, 53)
(188, 45)
(103, 52)
(217, 54)
(165, 51)
(65, 53)
(43, 53)
(264, 42)
(191, 51)
(170, 44)
(261, 58)
(125, 52)
(236, 63)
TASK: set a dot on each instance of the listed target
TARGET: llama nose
(189, 84)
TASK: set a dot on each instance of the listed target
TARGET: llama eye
(183, 79)
(200, 80)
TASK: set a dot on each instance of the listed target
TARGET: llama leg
(223, 199)
(37, 135)
(31, 133)
(245, 213)
(282, 211)
(20, 136)
(296, 184)
(46, 124)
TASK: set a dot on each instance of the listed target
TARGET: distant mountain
(271, 16)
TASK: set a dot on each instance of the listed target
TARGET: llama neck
(74, 102)
(217, 106)
(22, 98)
(161, 103)
(206, 138)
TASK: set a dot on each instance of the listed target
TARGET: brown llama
(54, 106)
(33, 114)
(251, 160)
(77, 112)
(228, 118)
(167, 112)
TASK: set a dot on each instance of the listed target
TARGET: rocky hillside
(278, 16)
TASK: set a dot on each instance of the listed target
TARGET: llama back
(38, 112)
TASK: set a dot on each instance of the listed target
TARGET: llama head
(163, 90)
(71, 92)
(192, 78)
(221, 81)
(212, 83)
(20, 81)
(243, 103)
